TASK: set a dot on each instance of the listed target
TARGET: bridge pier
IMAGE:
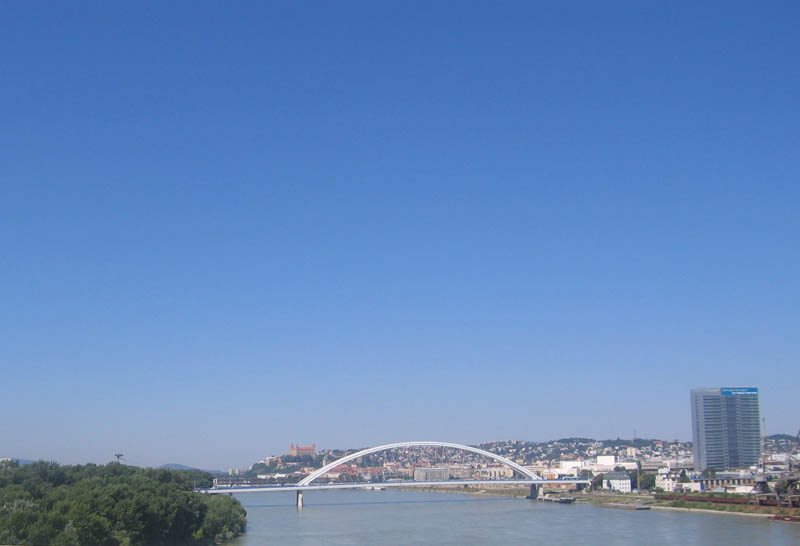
(299, 498)
(537, 492)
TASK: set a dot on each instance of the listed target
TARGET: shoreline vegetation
(603, 498)
(112, 505)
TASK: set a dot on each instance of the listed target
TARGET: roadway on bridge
(370, 485)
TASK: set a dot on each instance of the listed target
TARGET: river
(360, 517)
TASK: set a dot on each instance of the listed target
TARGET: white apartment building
(430, 474)
(667, 479)
(617, 481)
(496, 472)
(606, 460)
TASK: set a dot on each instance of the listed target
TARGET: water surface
(393, 517)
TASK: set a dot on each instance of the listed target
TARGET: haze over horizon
(279, 452)
(225, 228)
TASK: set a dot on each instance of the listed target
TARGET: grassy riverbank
(648, 500)
(731, 508)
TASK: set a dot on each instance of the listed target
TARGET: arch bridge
(528, 477)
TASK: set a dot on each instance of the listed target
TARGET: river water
(358, 517)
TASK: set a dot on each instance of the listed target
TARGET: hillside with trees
(45, 504)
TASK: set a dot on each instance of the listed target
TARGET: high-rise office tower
(726, 427)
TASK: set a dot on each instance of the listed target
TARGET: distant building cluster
(302, 451)
(726, 455)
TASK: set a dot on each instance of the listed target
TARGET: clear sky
(225, 227)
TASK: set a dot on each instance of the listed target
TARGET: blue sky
(225, 228)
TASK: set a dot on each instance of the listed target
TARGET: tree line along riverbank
(111, 505)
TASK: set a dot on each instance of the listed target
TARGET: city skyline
(290, 451)
(229, 228)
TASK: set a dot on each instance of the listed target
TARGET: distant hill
(635, 442)
(787, 437)
(176, 466)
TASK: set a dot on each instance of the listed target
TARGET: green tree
(648, 481)
(67, 537)
(94, 530)
(111, 505)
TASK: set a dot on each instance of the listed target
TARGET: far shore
(707, 511)
(606, 498)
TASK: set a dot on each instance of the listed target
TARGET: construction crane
(789, 486)
(118, 456)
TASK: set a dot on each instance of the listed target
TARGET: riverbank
(707, 511)
(689, 505)
(740, 509)
(623, 500)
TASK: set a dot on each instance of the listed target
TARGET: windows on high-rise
(726, 427)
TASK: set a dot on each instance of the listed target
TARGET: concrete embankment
(707, 511)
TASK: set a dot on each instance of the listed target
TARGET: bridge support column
(534, 491)
(299, 499)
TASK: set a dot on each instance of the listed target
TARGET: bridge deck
(367, 485)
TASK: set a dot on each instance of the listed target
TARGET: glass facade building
(726, 427)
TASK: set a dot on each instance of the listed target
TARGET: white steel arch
(328, 467)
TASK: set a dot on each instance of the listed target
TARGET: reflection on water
(414, 517)
(420, 499)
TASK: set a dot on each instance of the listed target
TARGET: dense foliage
(45, 504)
